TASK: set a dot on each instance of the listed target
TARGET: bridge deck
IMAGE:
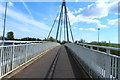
(57, 63)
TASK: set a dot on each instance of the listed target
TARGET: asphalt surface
(57, 63)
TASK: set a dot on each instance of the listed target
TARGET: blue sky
(34, 19)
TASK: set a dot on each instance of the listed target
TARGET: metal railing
(23, 41)
(97, 63)
(13, 56)
(7, 42)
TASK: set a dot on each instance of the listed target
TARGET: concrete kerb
(24, 65)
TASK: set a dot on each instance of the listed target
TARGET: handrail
(112, 48)
(17, 45)
(23, 41)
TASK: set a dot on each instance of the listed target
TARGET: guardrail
(105, 47)
(24, 41)
(98, 64)
(13, 56)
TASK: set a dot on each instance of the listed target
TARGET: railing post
(91, 47)
(107, 64)
(1, 58)
(1, 61)
(80, 44)
(13, 56)
(26, 54)
(119, 69)
(97, 48)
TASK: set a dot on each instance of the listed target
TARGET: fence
(98, 64)
(13, 56)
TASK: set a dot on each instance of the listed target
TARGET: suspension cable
(61, 27)
(71, 30)
(59, 22)
(52, 26)
(66, 21)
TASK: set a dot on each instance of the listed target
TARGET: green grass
(109, 45)
(106, 44)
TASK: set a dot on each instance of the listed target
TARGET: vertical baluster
(7, 63)
(13, 53)
(115, 68)
(107, 64)
(2, 52)
(98, 48)
(3, 70)
(0, 60)
(19, 55)
(6, 50)
(112, 67)
(26, 54)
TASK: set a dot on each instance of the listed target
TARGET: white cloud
(76, 0)
(103, 0)
(74, 27)
(18, 26)
(25, 18)
(96, 10)
(10, 4)
(102, 26)
(22, 29)
(113, 22)
(101, 9)
(80, 28)
(91, 29)
(81, 18)
(78, 11)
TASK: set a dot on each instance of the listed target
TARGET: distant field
(109, 45)
(106, 44)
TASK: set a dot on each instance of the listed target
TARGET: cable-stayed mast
(63, 25)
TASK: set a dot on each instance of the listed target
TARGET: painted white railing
(97, 63)
(23, 41)
(13, 56)
(7, 42)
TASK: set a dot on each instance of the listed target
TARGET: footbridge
(36, 60)
(51, 60)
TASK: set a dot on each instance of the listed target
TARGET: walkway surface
(57, 63)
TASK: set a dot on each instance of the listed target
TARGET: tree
(10, 35)
(0, 37)
(103, 42)
(63, 42)
(29, 39)
(52, 39)
(82, 41)
(45, 39)
(109, 42)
